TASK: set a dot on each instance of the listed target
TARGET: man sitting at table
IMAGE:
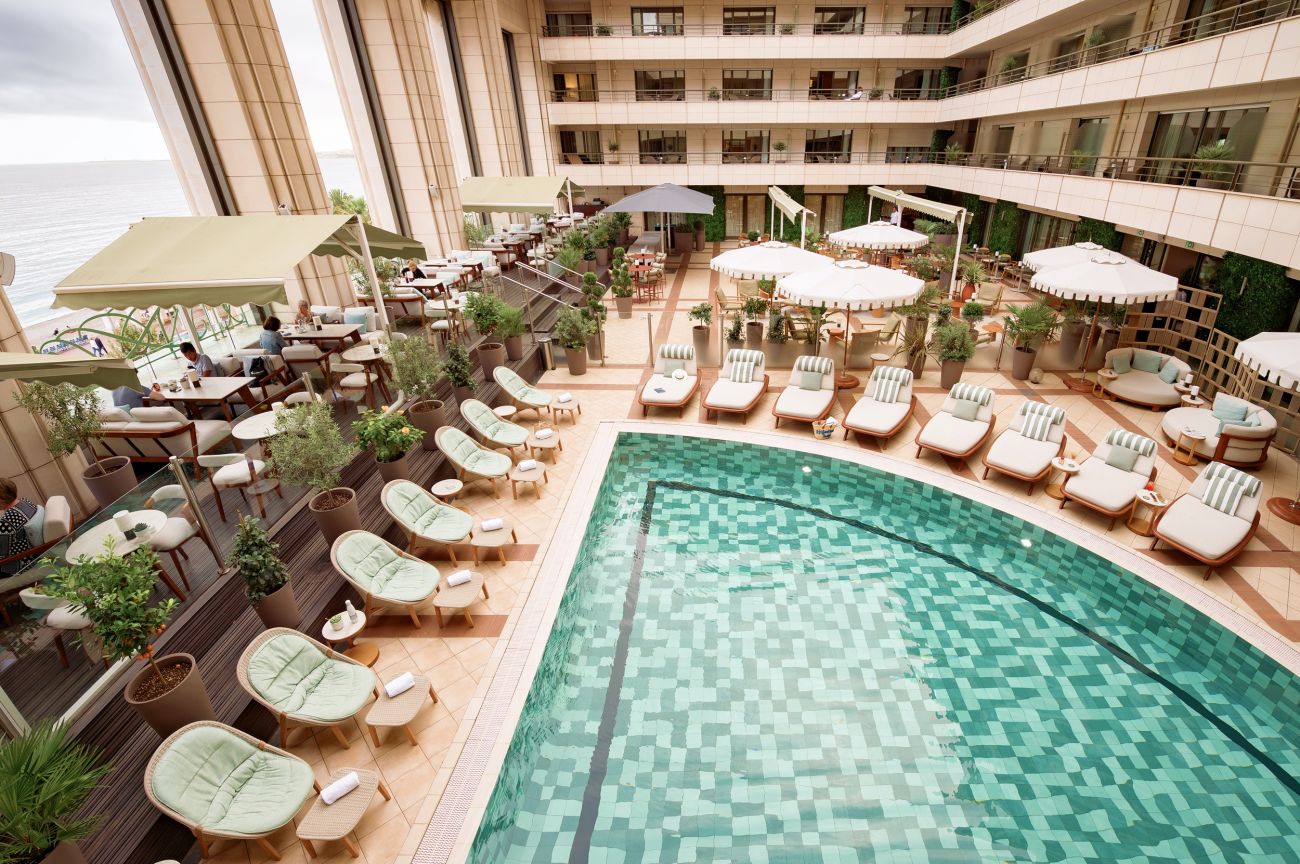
(200, 363)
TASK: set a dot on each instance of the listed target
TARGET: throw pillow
(671, 366)
(1122, 458)
(965, 409)
(1146, 361)
(1169, 373)
(1036, 426)
(1229, 410)
(1120, 364)
(809, 380)
(1224, 494)
(158, 415)
(886, 391)
(742, 372)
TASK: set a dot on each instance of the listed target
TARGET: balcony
(714, 106)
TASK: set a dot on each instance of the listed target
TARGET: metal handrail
(755, 94)
(860, 28)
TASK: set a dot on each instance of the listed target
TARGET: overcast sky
(69, 90)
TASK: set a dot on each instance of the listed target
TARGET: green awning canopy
(73, 368)
(514, 194)
(191, 260)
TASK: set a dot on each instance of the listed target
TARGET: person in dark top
(15, 513)
(412, 271)
(271, 340)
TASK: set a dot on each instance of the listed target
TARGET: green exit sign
(1189, 244)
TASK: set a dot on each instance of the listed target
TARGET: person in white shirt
(896, 218)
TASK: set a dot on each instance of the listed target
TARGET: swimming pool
(763, 655)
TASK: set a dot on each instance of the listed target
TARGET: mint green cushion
(1146, 361)
(1227, 409)
(376, 567)
(1169, 373)
(965, 409)
(224, 784)
(1123, 458)
(1120, 364)
(420, 512)
(296, 677)
(489, 463)
(486, 422)
(520, 389)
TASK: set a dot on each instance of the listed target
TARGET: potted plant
(47, 779)
(594, 310)
(1209, 159)
(622, 222)
(113, 593)
(787, 29)
(1096, 39)
(416, 372)
(510, 330)
(734, 337)
(266, 579)
(1028, 327)
(484, 311)
(916, 316)
(1081, 162)
(752, 236)
(952, 153)
(1011, 67)
(458, 372)
(702, 315)
(1072, 327)
(389, 437)
(72, 421)
(612, 147)
(698, 225)
(971, 274)
(780, 148)
(475, 234)
(308, 450)
(683, 237)
(621, 285)
(875, 93)
(567, 261)
(754, 308)
(603, 30)
(601, 238)
(714, 94)
(972, 313)
(952, 345)
(572, 331)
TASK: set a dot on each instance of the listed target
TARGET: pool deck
(441, 785)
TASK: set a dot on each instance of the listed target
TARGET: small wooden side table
(518, 475)
(505, 412)
(327, 822)
(447, 490)
(366, 652)
(1192, 401)
(1188, 440)
(459, 598)
(393, 711)
(497, 539)
(571, 408)
(1147, 507)
(545, 445)
(1067, 468)
(1104, 377)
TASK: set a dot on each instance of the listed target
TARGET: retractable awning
(55, 368)
(514, 194)
(786, 204)
(946, 212)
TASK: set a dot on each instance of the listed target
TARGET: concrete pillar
(479, 27)
(219, 82)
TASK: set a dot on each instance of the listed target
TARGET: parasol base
(1080, 385)
(845, 381)
(1286, 509)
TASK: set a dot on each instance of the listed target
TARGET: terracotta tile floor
(1262, 584)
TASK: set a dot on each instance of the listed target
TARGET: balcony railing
(860, 28)
(1274, 179)
(764, 94)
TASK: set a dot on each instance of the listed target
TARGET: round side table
(447, 490)
(1147, 507)
(1192, 401)
(1104, 377)
(366, 653)
(1188, 440)
(1067, 468)
(505, 412)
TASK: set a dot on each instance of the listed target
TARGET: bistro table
(257, 427)
(91, 542)
(366, 355)
(340, 333)
(210, 391)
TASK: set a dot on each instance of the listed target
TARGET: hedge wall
(715, 226)
(1006, 228)
(960, 9)
(979, 211)
(855, 207)
(1266, 303)
(1098, 231)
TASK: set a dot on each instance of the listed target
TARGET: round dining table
(90, 543)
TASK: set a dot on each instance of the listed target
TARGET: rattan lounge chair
(471, 461)
(424, 518)
(1026, 449)
(384, 575)
(801, 400)
(521, 394)
(741, 383)
(1208, 522)
(492, 429)
(880, 413)
(304, 683)
(948, 433)
(663, 390)
(1108, 488)
(224, 784)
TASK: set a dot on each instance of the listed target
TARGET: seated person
(15, 513)
(271, 341)
(304, 315)
(200, 363)
(412, 271)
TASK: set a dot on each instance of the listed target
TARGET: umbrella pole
(1087, 343)
(194, 330)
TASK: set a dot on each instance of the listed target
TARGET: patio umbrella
(879, 235)
(665, 198)
(1274, 356)
(1061, 256)
(849, 286)
(1106, 277)
(54, 368)
(770, 260)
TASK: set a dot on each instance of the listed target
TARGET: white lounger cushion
(730, 395)
(951, 433)
(1197, 526)
(869, 415)
(804, 404)
(1104, 485)
(674, 390)
(1020, 455)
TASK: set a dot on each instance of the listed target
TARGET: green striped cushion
(1036, 426)
(744, 355)
(887, 390)
(1054, 413)
(1217, 470)
(809, 363)
(742, 372)
(1224, 494)
(971, 392)
(892, 373)
(1133, 441)
(673, 351)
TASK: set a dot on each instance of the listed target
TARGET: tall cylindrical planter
(109, 479)
(1071, 336)
(65, 853)
(950, 372)
(624, 306)
(428, 415)
(514, 347)
(700, 336)
(683, 240)
(754, 335)
(335, 521)
(279, 609)
(186, 702)
(594, 345)
(490, 356)
(1022, 360)
(397, 469)
(463, 394)
(576, 360)
(622, 237)
(602, 257)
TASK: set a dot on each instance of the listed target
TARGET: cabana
(946, 212)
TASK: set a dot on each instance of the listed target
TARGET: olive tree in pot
(390, 437)
(572, 331)
(113, 593)
(72, 421)
(458, 372)
(511, 331)
(1028, 327)
(594, 310)
(485, 310)
(754, 308)
(621, 285)
(622, 222)
(416, 372)
(702, 315)
(952, 345)
(46, 780)
(308, 450)
(266, 579)
(735, 337)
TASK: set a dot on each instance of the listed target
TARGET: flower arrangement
(387, 433)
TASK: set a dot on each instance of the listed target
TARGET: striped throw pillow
(742, 372)
(1036, 426)
(809, 363)
(892, 373)
(1030, 408)
(672, 351)
(1133, 441)
(887, 390)
(1217, 470)
(1224, 494)
(971, 393)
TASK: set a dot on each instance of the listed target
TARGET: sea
(54, 217)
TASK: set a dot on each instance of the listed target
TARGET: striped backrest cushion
(671, 351)
(742, 372)
(887, 390)
(744, 355)
(1133, 441)
(809, 363)
(1217, 471)
(1036, 426)
(1030, 408)
(892, 373)
(971, 392)
(1224, 494)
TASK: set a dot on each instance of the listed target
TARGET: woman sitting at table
(15, 513)
(304, 315)
(271, 340)
(412, 271)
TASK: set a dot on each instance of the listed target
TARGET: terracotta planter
(754, 335)
(463, 394)
(576, 360)
(624, 306)
(622, 237)
(279, 609)
(336, 520)
(1022, 360)
(490, 356)
(428, 416)
(700, 335)
(699, 238)
(950, 372)
(602, 257)
(967, 291)
(109, 479)
(397, 469)
(1071, 336)
(185, 703)
(64, 853)
(514, 347)
(683, 241)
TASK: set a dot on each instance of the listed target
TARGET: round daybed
(1237, 444)
(1145, 386)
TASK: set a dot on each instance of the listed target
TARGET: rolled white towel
(399, 685)
(460, 577)
(543, 434)
(340, 787)
(495, 524)
(527, 464)
(564, 397)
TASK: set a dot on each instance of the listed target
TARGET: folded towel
(493, 524)
(564, 397)
(340, 787)
(527, 464)
(543, 434)
(399, 685)
(460, 577)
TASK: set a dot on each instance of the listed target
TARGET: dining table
(340, 334)
(214, 390)
(374, 360)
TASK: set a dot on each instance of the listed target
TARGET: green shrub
(457, 369)
(1099, 232)
(308, 449)
(1266, 303)
(953, 342)
(1007, 228)
(416, 368)
(387, 433)
(258, 558)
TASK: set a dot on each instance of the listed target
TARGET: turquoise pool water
(764, 656)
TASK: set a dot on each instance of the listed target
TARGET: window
(828, 145)
(573, 87)
(1067, 53)
(580, 147)
(656, 21)
(906, 154)
(661, 85)
(927, 19)
(568, 24)
(828, 211)
(1088, 136)
(744, 146)
(839, 19)
(832, 85)
(662, 147)
(1179, 134)
(749, 21)
(745, 213)
(917, 83)
(747, 84)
